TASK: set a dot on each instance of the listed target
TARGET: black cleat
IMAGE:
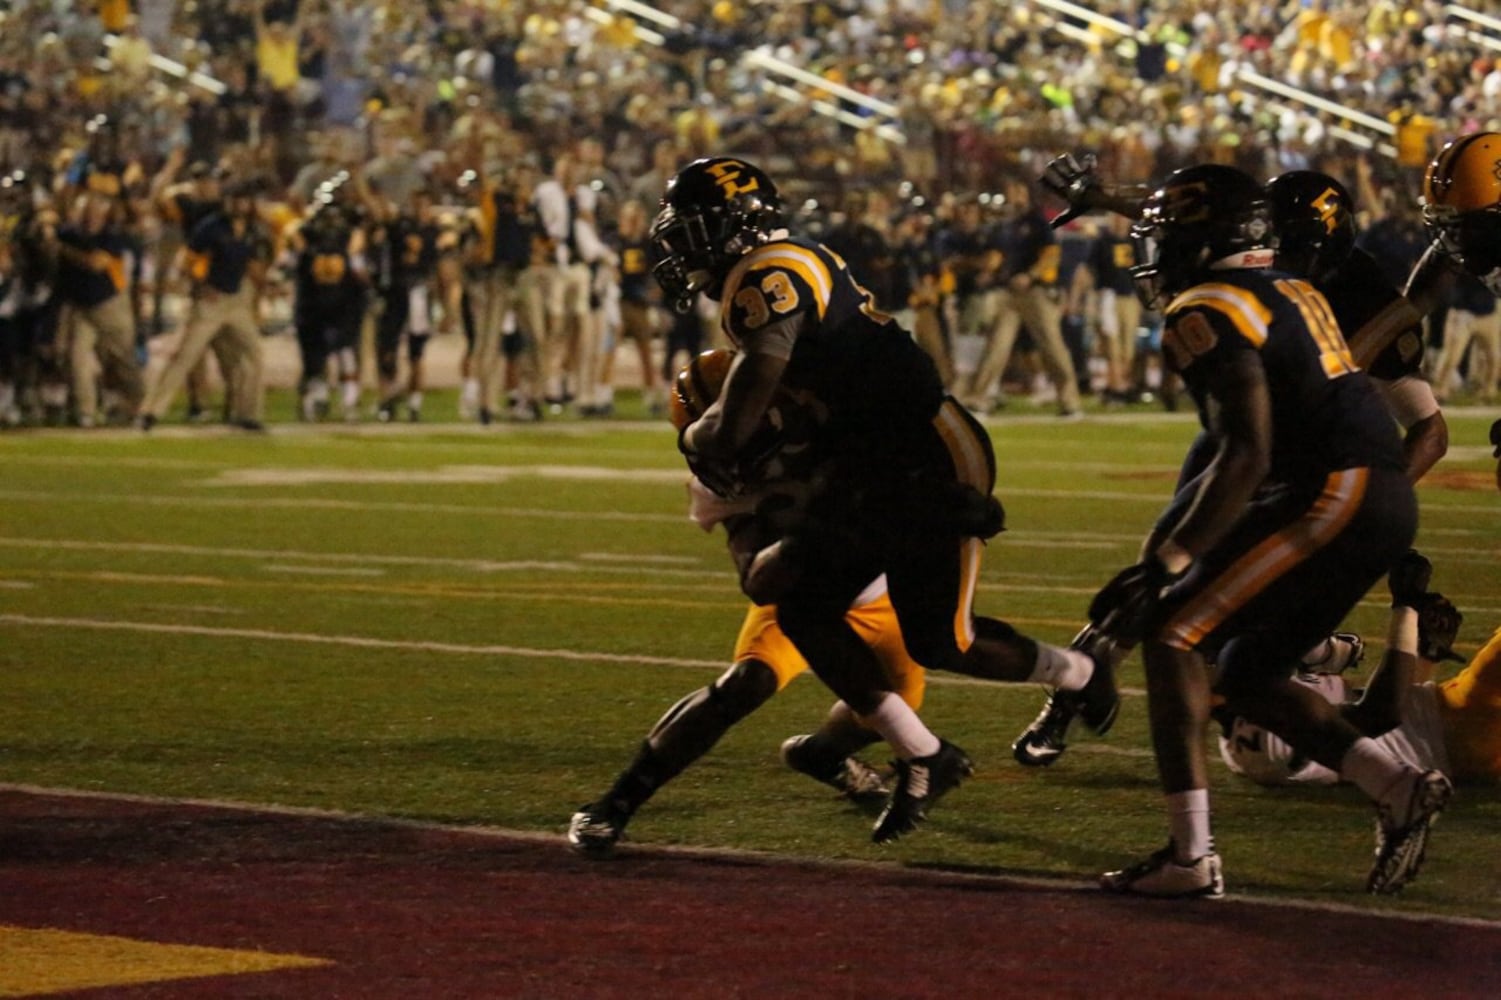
(1096, 703)
(920, 782)
(596, 828)
(1046, 738)
(850, 777)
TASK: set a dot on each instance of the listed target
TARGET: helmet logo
(727, 174)
(1327, 204)
(1187, 203)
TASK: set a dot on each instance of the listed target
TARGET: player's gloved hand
(718, 476)
(1409, 580)
(1438, 627)
(1075, 181)
(1126, 608)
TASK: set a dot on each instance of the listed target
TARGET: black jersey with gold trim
(1374, 317)
(866, 371)
(1326, 413)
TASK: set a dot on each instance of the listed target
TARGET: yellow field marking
(35, 962)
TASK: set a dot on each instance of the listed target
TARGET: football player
(1313, 217)
(764, 661)
(1453, 726)
(1301, 508)
(907, 488)
(331, 278)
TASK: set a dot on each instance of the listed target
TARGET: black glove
(1071, 180)
(1496, 438)
(1438, 627)
(734, 478)
(717, 476)
(1409, 579)
(1126, 608)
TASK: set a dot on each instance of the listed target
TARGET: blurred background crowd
(906, 133)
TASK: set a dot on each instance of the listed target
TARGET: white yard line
(324, 570)
(1061, 883)
(357, 641)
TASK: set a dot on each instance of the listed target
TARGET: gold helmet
(1462, 204)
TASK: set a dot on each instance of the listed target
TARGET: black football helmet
(1314, 218)
(1201, 217)
(1462, 204)
(714, 211)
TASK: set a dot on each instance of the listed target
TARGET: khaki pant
(1461, 329)
(101, 350)
(1036, 308)
(226, 321)
(1120, 316)
(493, 293)
(564, 291)
(927, 330)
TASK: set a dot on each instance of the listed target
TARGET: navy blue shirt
(82, 285)
(226, 256)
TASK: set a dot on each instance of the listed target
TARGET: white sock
(414, 400)
(900, 727)
(1378, 774)
(1188, 820)
(351, 396)
(1068, 669)
(470, 394)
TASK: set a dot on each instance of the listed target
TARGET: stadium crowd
(181, 178)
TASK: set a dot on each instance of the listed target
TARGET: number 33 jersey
(796, 299)
(1326, 413)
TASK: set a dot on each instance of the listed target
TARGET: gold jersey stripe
(804, 263)
(43, 960)
(1253, 572)
(1243, 308)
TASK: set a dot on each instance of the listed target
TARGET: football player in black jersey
(1301, 508)
(1315, 222)
(1312, 214)
(404, 251)
(904, 487)
(330, 282)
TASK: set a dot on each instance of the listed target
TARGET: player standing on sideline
(1028, 295)
(1301, 509)
(227, 255)
(405, 252)
(98, 277)
(329, 311)
(908, 490)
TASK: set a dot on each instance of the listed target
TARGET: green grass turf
(505, 579)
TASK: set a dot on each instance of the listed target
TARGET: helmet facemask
(1471, 239)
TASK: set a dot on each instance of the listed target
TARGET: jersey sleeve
(1209, 323)
(773, 293)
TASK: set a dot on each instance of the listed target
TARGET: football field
(476, 627)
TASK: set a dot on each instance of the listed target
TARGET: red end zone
(406, 911)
